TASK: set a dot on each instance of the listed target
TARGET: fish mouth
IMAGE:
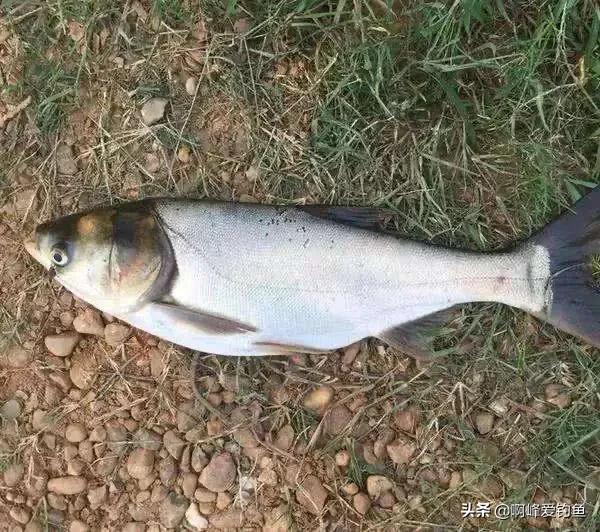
(31, 246)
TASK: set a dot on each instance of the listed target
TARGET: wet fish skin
(247, 279)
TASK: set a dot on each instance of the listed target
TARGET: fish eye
(59, 256)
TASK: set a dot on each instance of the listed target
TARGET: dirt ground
(101, 429)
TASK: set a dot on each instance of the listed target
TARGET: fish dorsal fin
(414, 337)
(364, 217)
(201, 321)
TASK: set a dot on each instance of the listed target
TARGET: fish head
(114, 258)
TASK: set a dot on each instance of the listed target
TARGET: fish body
(248, 279)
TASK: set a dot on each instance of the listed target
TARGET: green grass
(56, 94)
(171, 11)
(358, 469)
(594, 268)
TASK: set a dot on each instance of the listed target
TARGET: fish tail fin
(573, 245)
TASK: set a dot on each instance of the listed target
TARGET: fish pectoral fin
(414, 337)
(202, 321)
(365, 217)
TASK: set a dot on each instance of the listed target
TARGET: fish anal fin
(414, 337)
(202, 321)
(364, 217)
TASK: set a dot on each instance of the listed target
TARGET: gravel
(401, 451)
(172, 509)
(361, 503)
(342, 458)
(97, 496)
(13, 474)
(406, 420)
(153, 110)
(338, 418)
(220, 473)
(15, 357)
(284, 438)
(167, 471)
(116, 333)
(174, 444)
(89, 322)
(189, 482)
(67, 485)
(62, 345)
(148, 439)
(484, 422)
(378, 484)
(140, 463)
(311, 494)
(195, 519)
(75, 432)
(190, 85)
(318, 399)
(83, 370)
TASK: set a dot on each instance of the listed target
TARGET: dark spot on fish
(266, 234)
(501, 279)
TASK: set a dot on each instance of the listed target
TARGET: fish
(245, 279)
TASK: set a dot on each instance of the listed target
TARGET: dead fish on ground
(247, 279)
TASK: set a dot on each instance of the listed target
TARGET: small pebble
(223, 500)
(20, 515)
(195, 519)
(11, 409)
(190, 86)
(67, 485)
(13, 474)
(62, 345)
(362, 503)
(174, 444)
(484, 421)
(172, 510)
(219, 475)
(378, 484)
(89, 322)
(311, 494)
(140, 463)
(75, 433)
(153, 110)
(350, 488)
(342, 458)
(401, 451)
(78, 526)
(116, 333)
(318, 399)
(183, 154)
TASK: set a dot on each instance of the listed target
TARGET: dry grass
(476, 122)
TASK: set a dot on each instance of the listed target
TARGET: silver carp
(247, 279)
